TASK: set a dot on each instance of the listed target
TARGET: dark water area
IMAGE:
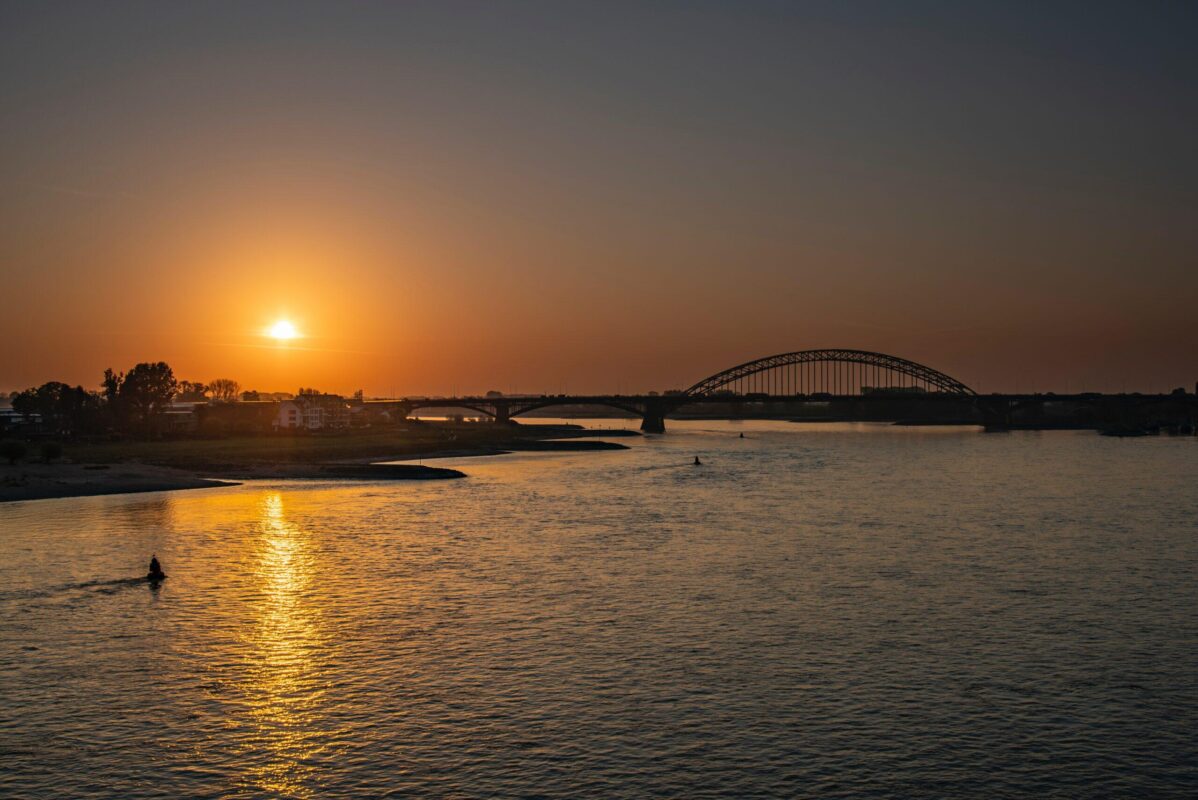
(832, 611)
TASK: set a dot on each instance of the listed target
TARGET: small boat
(155, 574)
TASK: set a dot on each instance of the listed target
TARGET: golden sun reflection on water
(287, 647)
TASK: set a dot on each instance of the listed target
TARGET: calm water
(831, 611)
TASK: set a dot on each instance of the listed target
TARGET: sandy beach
(46, 481)
(33, 481)
(122, 467)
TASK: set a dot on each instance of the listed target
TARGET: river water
(836, 610)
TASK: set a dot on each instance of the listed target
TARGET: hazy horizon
(453, 198)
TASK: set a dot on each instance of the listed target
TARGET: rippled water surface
(816, 611)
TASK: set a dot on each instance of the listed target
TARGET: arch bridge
(804, 374)
(835, 372)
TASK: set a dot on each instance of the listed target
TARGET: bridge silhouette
(860, 383)
(788, 376)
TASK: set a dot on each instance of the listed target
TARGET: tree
(110, 390)
(51, 451)
(112, 385)
(42, 401)
(61, 408)
(224, 390)
(13, 450)
(191, 391)
(250, 395)
(146, 391)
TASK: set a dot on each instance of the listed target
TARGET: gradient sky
(598, 196)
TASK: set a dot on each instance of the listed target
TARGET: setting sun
(283, 330)
(527, 393)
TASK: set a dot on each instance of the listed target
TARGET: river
(817, 610)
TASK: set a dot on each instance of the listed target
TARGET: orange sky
(528, 202)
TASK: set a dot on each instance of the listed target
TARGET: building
(11, 420)
(180, 417)
(313, 412)
(246, 417)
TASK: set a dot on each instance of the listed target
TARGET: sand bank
(43, 481)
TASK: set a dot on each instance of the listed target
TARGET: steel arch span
(831, 371)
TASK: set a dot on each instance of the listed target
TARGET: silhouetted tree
(111, 385)
(250, 395)
(191, 391)
(224, 390)
(42, 401)
(110, 390)
(62, 409)
(146, 391)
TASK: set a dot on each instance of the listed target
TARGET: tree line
(127, 402)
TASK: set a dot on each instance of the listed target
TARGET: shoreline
(60, 481)
(183, 467)
(24, 482)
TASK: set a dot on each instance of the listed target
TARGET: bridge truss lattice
(837, 372)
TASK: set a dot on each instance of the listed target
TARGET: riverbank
(51, 481)
(48, 481)
(120, 467)
(229, 455)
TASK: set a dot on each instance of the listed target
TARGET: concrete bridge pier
(654, 419)
(503, 412)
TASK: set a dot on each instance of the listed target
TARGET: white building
(315, 412)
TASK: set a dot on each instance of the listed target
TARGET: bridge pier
(503, 412)
(403, 411)
(996, 415)
(654, 419)
(653, 424)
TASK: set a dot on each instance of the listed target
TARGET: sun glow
(282, 330)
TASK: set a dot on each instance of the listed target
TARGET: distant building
(313, 412)
(11, 420)
(244, 417)
(181, 416)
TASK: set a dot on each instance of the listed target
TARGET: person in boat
(155, 568)
(698, 463)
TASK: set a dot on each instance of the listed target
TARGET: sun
(282, 330)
